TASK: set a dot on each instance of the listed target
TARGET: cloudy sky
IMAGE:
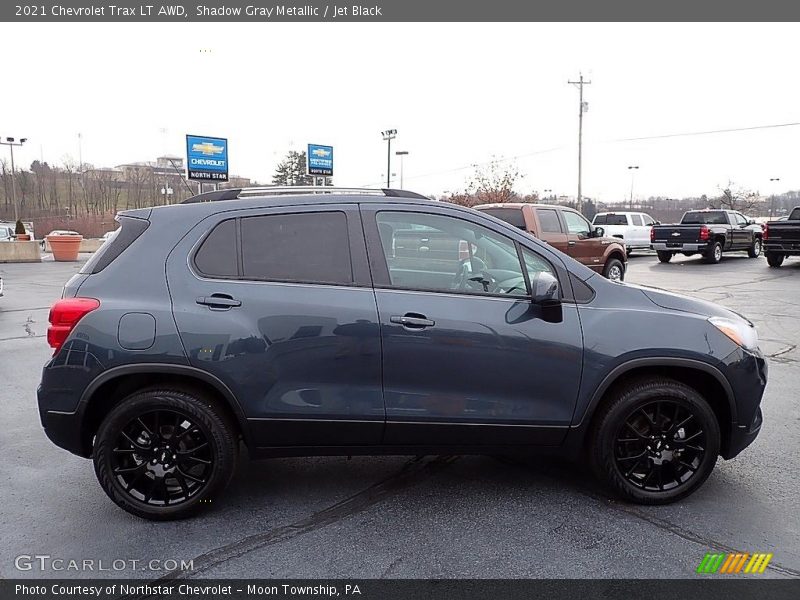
(458, 94)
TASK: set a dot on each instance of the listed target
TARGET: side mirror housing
(598, 232)
(544, 288)
(751, 221)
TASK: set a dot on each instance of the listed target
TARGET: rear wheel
(754, 251)
(663, 256)
(614, 270)
(163, 454)
(775, 259)
(655, 442)
(714, 253)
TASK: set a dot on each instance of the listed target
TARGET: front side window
(637, 220)
(740, 220)
(448, 255)
(310, 247)
(648, 220)
(576, 224)
(548, 218)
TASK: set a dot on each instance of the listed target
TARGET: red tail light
(765, 235)
(64, 315)
(652, 235)
(705, 234)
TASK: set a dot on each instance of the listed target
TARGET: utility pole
(402, 154)
(632, 169)
(773, 180)
(11, 142)
(389, 135)
(582, 108)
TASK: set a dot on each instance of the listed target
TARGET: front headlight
(741, 332)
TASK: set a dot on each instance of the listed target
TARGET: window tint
(512, 216)
(648, 220)
(637, 219)
(448, 255)
(548, 218)
(216, 257)
(310, 247)
(599, 220)
(576, 224)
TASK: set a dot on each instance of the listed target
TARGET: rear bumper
(65, 431)
(788, 248)
(693, 247)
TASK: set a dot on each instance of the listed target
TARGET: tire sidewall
(213, 427)
(611, 264)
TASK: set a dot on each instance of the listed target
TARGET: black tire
(611, 454)
(714, 253)
(775, 259)
(614, 269)
(186, 424)
(664, 256)
(754, 251)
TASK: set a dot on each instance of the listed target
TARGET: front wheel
(664, 257)
(714, 253)
(162, 454)
(614, 270)
(656, 441)
(754, 251)
(775, 259)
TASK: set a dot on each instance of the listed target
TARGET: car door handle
(219, 301)
(571, 243)
(413, 321)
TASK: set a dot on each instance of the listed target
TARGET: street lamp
(772, 202)
(402, 154)
(632, 169)
(389, 135)
(166, 191)
(548, 193)
(11, 142)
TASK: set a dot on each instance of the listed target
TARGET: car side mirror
(544, 287)
(751, 221)
(598, 232)
(655, 223)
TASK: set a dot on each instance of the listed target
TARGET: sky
(458, 95)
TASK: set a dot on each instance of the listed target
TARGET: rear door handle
(219, 301)
(413, 321)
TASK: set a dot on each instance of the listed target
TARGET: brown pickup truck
(568, 231)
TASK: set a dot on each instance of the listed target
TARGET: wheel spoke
(145, 427)
(197, 460)
(649, 418)
(635, 431)
(644, 452)
(188, 476)
(182, 482)
(687, 465)
(683, 441)
(133, 443)
(120, 470)
(192, 450)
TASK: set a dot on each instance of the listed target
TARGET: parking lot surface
(425, 517)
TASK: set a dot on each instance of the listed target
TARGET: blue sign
(319, 160)
(207, 158)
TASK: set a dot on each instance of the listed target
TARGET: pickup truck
(782, 238)
(631, 227)
(568, 231)
(708, 233)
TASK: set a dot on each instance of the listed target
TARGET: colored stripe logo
(734, 563)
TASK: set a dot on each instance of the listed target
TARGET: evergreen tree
(292, 170)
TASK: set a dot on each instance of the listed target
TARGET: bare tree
(733, 197)
(489, 184)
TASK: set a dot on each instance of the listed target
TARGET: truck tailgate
(676, 234)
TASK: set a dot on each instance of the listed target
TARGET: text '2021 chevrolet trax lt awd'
(340, 322)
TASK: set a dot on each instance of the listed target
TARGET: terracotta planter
(23, 237)
(65, 247)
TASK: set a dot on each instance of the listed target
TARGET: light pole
(11, 142)
(772, 201)
(632, 169)
(389, 135)
(402, 154)
(549, 194)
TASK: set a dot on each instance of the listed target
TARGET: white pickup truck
(633, 227)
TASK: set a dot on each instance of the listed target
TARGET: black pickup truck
(782, 238)
(709, 233)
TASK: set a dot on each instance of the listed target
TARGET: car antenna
(180, 174)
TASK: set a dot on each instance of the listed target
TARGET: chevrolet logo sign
(321, 152)
(208, 149)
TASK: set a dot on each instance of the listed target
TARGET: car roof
(520, 205)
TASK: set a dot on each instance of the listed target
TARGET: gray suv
(325, 321)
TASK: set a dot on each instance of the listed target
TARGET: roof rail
(251, 192)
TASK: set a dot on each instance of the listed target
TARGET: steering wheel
(473, 272)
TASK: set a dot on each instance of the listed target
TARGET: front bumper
(748, 378)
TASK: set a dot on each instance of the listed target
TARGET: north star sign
(320, 160)
(207, 158)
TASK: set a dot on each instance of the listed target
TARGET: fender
(654, 361)
(169, 369)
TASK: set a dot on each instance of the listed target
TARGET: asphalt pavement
(426, 517)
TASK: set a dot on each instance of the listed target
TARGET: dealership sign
(320, 160)
(207, 158)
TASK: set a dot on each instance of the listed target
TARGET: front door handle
(571, 243)
(413, 321)
(218, 301)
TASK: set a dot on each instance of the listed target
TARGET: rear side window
(217, 254)
(130, 229)
(599, 220)
(614, 220)
(312, 247)
(548, 218)
(637, 219)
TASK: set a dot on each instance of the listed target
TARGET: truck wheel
(163, 454)
(714, 254)
(754, 251)
(775, 259)
(614, 270)
(654, 441)
(663, 256)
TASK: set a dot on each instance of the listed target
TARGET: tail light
(652, 235)
(705, 234)
(64, 315)
(765, 235)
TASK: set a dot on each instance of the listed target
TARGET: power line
(710, 132)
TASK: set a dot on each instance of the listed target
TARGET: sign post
(206, 159)
(319, 162)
